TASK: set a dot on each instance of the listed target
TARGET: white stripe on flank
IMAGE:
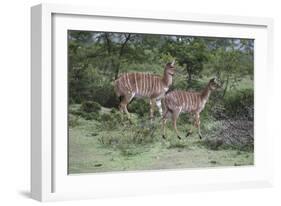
(144, 86)
(178, 98)
(149, 85)
(188, 101)
(129, 83)
(191, 101)
(141, 83)
(155, 84)
(185, 100)
(121, 83)
(126, 82)
(136, 83)
(159, 88)
(196, 105)
(194, 101)
(182, 100)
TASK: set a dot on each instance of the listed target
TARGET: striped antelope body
(177, 102)
(144, 85)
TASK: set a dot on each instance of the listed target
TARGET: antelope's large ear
(173, 63)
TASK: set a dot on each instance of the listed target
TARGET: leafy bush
(235, 105)
(113, 111)
(114, 120)
(129, 137)
(90, 106)
(240, 104)
(140, 107)
(89, 83)
(88, 110)
(105, 95)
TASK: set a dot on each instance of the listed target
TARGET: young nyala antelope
(177, 102)
(144, 85)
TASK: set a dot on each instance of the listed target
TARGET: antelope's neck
(206, 93)
(167, 79)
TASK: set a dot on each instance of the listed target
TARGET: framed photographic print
(135, 102)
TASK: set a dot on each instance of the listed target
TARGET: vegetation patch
(90, 106)
(231, 135)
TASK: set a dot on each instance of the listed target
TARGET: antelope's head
(213, 84)
(170, 68)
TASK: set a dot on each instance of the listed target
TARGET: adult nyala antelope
(144, 85)
(177, 102)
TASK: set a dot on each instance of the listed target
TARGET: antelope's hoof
(200, 136)
(179, 137)
(187, 134)
(163, 136)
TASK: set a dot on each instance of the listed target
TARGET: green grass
(245, 83)
(95, 147)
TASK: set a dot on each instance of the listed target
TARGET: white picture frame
(49, 178)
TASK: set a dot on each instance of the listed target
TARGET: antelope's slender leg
(164, 124)
(175, 116)
(125, 101)
(189, 132)
(197, 124)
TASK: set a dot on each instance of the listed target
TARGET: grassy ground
(97, 146)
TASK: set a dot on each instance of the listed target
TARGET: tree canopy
(97, 58)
